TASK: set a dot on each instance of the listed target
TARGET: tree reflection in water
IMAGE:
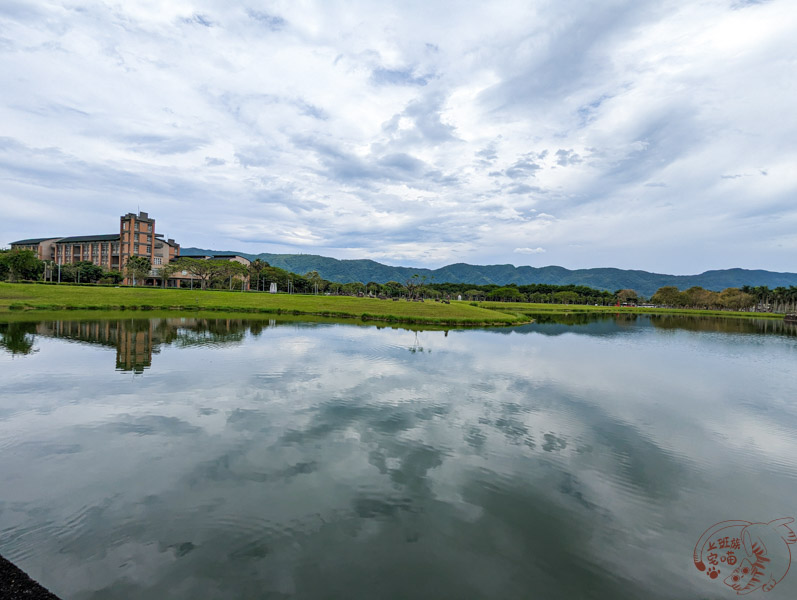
(17, 338)
(137, 339)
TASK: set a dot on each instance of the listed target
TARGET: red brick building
(111, 251)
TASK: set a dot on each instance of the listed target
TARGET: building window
(135, 248)
(156, 260)
(124, 224)
(149, 249)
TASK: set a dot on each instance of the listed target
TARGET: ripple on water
(378, 354)
(20, 543)
(247, 536)
(302, 371)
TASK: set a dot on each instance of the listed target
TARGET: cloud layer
(630, 134)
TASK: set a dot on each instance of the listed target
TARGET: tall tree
(21, 264)
(393, 288)
(567, 297)
(506, 294)
(256, 270)
(138, 267)
(315, 280)
(414, 283)
(669, 295)
(353, 287)
(626, 295)
(229, 269)
(697, 297)
(166, 271)
(87, 272)
(735, 299)
(200, 268)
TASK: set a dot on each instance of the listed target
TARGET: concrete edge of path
(16, 585)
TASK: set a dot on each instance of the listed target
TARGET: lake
(574, 457)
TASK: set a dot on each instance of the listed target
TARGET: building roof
(33, 241)
(141, 216)
(229, 257)
(108, 237)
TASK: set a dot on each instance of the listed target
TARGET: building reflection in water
(135, 340)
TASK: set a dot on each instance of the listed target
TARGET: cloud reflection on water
(328, 460)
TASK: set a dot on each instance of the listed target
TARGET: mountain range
(610, 279)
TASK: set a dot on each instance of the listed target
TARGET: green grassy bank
(25, 297)
(16, 298)
(528, 309)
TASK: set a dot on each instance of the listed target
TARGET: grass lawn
(19, 297)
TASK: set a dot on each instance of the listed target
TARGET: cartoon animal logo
(758, 553)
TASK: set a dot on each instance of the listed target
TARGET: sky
(636, 134)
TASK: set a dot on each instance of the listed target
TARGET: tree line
(23, 265)
(761, 298)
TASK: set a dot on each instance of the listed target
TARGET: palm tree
(779, 299)
(256, 269)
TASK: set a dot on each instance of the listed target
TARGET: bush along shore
(19, 297)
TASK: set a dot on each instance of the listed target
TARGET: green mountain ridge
(611, 279)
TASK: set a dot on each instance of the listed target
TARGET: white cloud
(424, 133)
(529, 250)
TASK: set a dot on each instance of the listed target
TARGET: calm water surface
(202, 459)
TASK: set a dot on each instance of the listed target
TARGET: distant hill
(605, 278)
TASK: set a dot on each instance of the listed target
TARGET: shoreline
(33, 313)
(24, 299)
